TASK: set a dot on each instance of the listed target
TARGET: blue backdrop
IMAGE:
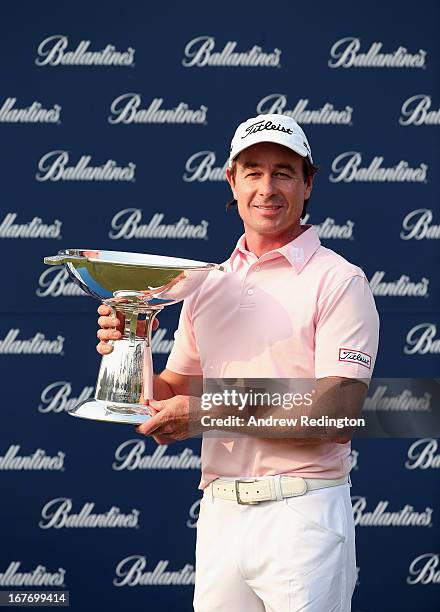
(115, 124)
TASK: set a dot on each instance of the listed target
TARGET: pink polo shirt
(300, 311)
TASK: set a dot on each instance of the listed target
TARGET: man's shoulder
(212, 279)
(333, 269)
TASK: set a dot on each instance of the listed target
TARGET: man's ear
(308, 186)
(231, 181)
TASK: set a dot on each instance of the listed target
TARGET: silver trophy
(139, 286)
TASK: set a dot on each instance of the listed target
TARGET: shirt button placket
(248, 289)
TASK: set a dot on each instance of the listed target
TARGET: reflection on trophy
(139, 286)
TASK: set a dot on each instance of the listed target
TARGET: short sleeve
(347, 331)
(184, 357)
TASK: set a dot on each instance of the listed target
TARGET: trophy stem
(148, 371)
(125, 379)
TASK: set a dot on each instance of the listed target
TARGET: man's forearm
(161, 389)
(335, 401)
(245, 422)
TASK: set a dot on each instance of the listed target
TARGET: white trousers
(290, 555)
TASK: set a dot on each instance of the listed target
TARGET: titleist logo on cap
(275, 128)
(265, 125)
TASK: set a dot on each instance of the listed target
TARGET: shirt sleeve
(184, 357)
(347, 331)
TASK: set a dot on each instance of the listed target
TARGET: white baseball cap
(279, 129)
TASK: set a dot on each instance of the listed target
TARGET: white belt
(256, 490)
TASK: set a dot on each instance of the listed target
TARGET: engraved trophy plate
(139, 286)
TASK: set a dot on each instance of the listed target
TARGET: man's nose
(266, 186)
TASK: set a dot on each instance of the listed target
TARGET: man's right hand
(111, 326)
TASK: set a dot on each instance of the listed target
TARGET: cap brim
(274, 138)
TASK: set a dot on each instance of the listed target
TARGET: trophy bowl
(139, 286)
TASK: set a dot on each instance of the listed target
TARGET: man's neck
(259, 245)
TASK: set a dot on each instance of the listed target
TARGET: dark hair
(309, 169)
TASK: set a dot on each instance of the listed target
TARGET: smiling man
(275, 531)
(268, 184)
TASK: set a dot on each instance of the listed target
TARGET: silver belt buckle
(237, 492)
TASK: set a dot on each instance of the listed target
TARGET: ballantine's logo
(38, 460)
(53, 167)
(346, 168)
(129, 456)
(125, 109)
(344, 54)
(56, 514)
(55, 282)
(161, 345)
(416, 224)
(56, 397)
(354, 459)
(380, 517)
(423, 570)
(200, 52)
(35, 113)
(329, 229)
(200, 167)
(415, 111)
(422, 455)
(52, 52)
(404, 402)
(37, 577)
(403, 287)
(127, 224)
(33, 229)
(194, 511)
(37, 345)
(130, 572)
(326, 115)
(421, 340)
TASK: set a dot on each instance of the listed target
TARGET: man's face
(269, 188)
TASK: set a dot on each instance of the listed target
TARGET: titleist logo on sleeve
(355, 357)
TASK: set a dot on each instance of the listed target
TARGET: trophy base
(97, 410)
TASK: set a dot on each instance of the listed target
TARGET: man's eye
(251, 174)
(282, 174)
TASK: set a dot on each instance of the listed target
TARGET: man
(275, 531)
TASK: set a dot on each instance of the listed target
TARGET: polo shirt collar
(297, 251)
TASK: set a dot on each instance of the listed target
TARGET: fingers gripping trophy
(138, 286)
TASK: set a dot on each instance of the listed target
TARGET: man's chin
(267, 228)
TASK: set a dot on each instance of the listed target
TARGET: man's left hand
(172, 419)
